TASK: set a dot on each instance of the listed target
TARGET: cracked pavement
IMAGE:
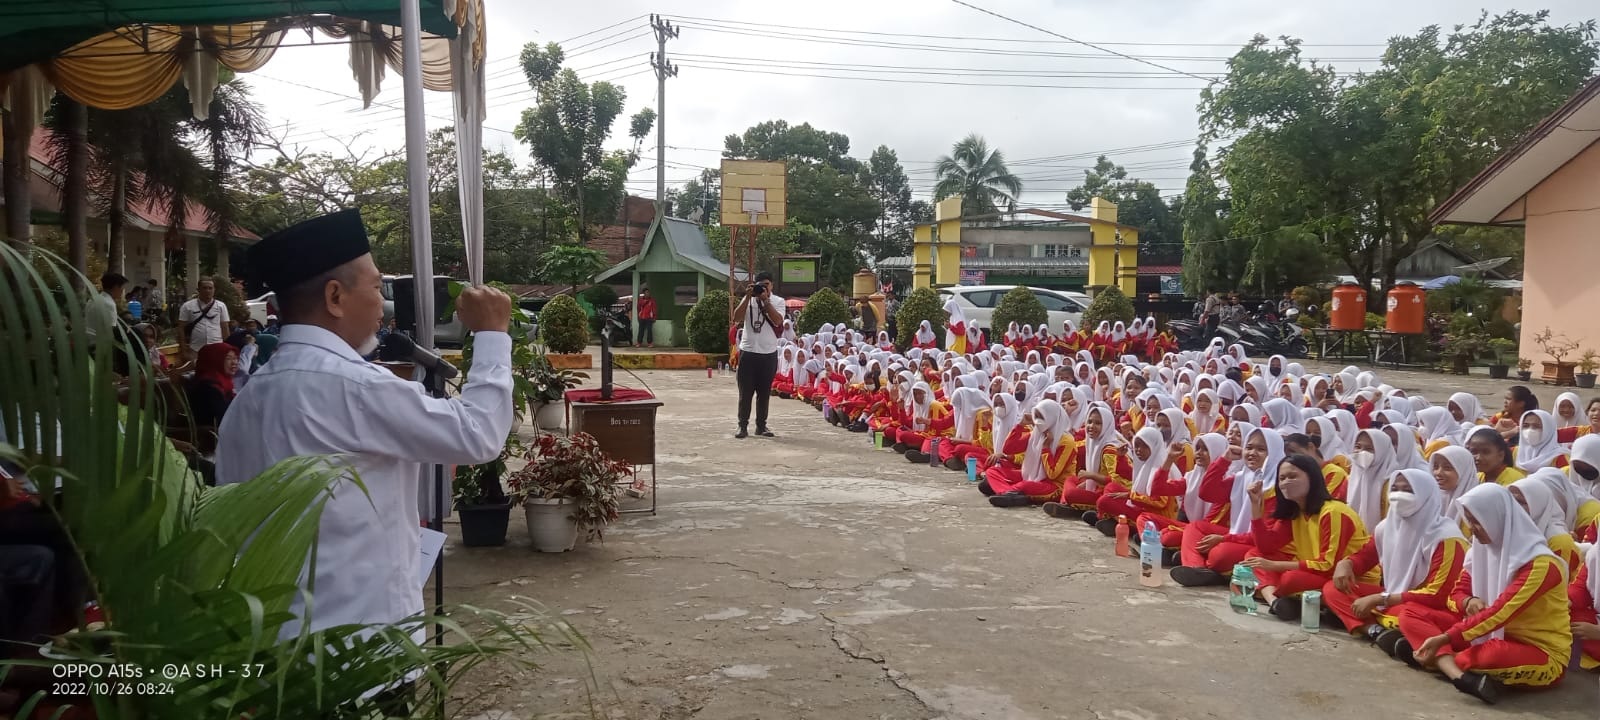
(811, 576)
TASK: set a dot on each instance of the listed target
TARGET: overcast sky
(742, 63)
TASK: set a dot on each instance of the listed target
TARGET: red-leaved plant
(573, 468)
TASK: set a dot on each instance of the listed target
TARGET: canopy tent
(117, 54)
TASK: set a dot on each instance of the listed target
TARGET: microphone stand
(435, 385)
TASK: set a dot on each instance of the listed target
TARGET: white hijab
(1471, 409)
(1514, 541)
(1328, 441)
(1406, 542)
(1195, 508)
(1097, 444)
(965, 402)
(1145, 471)
(1437, 424)
(1542, 504)
(1567, 496)
(957, 318)
(1284, 415)
(1577, 410)
(1007, 412)
(1368, 485)
(1049, 427)
(1406, 452)
(1533, 456)
(1587, 449)
(1466, 475)
(925, 333)
(1268, 477)
(921, 412)
(1180, 428)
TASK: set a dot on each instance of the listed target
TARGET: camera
(757, 290)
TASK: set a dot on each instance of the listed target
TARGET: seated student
(1190, 505)
(1454, 470)
(1372, 466)
(1332, 474)
(1312, 533)
(1518, 401)
(1210, 550)
(920, 414)
(1537, 446)
(1540, 503)
(1151, 490)
(1492, 456)
(1582, 593)
(1589, 425)
(1583, 472)
(210, 390)
(968, 433)
(1105, 465)
(1046, 463)
(925, 338)
(1508, 620)
(1439, 430)
(1420, 551)
(1568, 411)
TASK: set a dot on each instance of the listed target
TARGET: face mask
(1363, 458)
(1020, 395)
(1532, 436)
(1586, 471)
(1403, 502)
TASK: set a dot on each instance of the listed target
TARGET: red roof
(196, 218)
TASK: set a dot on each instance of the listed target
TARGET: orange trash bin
(1348, 309)
(1407, 311)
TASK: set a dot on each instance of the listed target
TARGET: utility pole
(664, 31)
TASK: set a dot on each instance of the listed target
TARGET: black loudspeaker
(605, 362)
(405, 303)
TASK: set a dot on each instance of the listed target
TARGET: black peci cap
(307, 249)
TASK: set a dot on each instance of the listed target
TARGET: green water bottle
(1242, 591)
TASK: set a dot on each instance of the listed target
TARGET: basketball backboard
(753, 193)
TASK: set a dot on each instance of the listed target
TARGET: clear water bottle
(1311, 611)
(1150, 556)
(1242, 591)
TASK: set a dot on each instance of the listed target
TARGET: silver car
(979, 302)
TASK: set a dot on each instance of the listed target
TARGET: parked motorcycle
(1263, 338)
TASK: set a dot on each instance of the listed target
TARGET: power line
(938, 82)
(1103, 49)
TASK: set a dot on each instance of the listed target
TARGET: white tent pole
(417, 169)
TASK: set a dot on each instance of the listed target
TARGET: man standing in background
(645, 306)
(200, 320)
(1211, 315)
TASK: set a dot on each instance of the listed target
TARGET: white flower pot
(551, 416)
(550, 525)
(516, 424)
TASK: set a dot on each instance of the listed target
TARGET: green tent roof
(35, 30)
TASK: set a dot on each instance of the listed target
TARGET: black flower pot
(1525, 375)
(1499, 372)
(484, 525)
(1584, 380)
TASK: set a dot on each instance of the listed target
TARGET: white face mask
(1532, 436)
(1363, 458)
(1403, 502)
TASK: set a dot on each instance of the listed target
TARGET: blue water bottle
(1150, 556)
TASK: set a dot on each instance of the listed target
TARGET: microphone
(398, 347)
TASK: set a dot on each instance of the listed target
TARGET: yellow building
(1112, 249)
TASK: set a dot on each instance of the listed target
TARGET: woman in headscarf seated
(1581, 596)
(210, 390)
(1048, 460)
(1508, 622)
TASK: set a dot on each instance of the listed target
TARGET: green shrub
(1305, 320)
(1305, 296)
(1019, 306)
(1375, 321)
(1500, 327)
(921, 304)
(825, 307)
(601, 296)
(564, 326)
(708, 323)
(1109, 306)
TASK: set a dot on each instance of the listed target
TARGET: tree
(708, 323)
(886, 182)
(979, 176)
(1020, 306)
(697, 199)
(1358, 162)
(825, 307)
(1139, 203)
(565, 132)
(563, 325)
(921, 304)
(572, 264)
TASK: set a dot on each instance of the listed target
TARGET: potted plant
(1460, 347)
(1524, 369)
(546, 388)
(568, 485)
(1556, 370)
(1501, 349)
(481, 503)
(1586, 366)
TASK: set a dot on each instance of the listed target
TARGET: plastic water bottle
(1150, 556)
(1311, 611)
(1123, 531)
(933, 452)
(1242, 591)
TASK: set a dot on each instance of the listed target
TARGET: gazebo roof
(685, 240)
(31, 31)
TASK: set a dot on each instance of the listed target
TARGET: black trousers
(647, 332)
(756, 371)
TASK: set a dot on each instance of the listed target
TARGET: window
(983, 298)
(1056, 303)
(1063, 251)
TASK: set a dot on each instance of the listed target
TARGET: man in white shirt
(760, 314)
(319, 397)
(201, 320)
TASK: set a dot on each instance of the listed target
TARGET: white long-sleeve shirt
(318, 397)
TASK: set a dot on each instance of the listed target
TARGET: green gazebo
(676, 264)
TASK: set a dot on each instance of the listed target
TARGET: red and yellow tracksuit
(1161, 504)
(1112, 463)
(1582, 609)
(980, 446)
(1337, 479)
(1507, 476)
(1444, 571)
(1060, 463)
(1533, 611)
(1317, 543)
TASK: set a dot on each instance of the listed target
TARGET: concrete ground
(811, 576)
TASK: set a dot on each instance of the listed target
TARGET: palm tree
(187, 574)
(979, 176)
